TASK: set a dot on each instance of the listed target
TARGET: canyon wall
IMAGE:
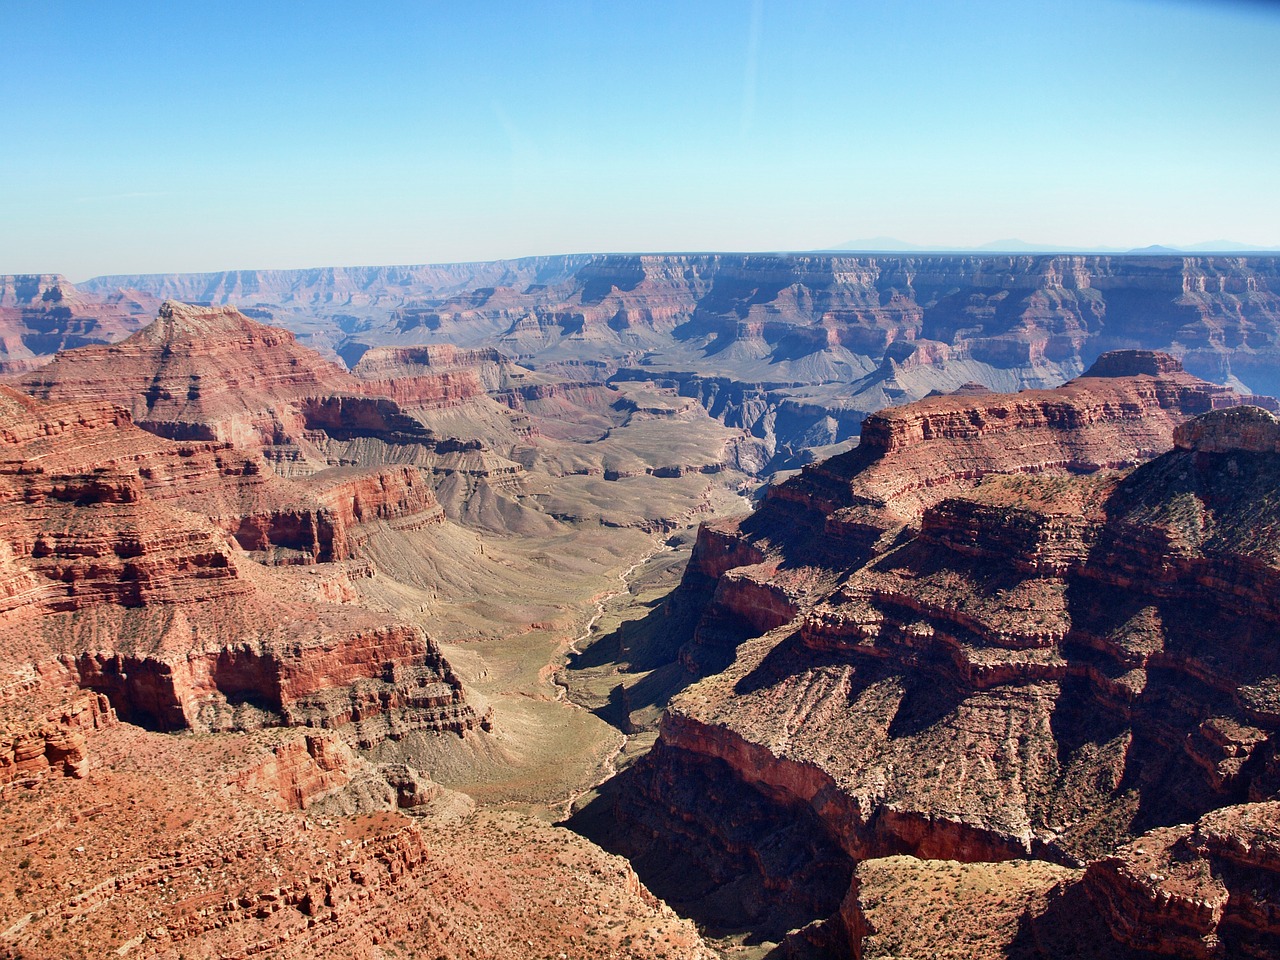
(157, 572)
(1005, 627)
(796, 348)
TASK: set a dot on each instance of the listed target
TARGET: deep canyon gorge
(643, 606)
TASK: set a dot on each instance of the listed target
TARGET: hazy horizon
(990, 249)
(165, 139)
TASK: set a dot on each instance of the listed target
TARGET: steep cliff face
(200, 373)
(1202, 890)
(983, 636)
(124, 560)
(341, 286)
(211, 374)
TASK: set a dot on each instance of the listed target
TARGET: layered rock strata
(1203, 890)
(795, 348)
(984, 635)
(41, 314)
(124, 562)
(211, 374)
(267, 844)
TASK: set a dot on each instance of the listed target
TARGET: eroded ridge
(1006, 628)
(177, 579)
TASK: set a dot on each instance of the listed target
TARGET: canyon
(794, 348)
(1005, 629)
(329, 600)
(227, 556)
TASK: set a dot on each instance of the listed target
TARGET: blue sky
(158, 137)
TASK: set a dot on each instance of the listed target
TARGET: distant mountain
(1229, 246)
(1155, 250)
(1021, 246)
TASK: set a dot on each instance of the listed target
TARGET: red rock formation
(994, 643)
(1205, 890)
(200, 373)
(42, 314)
(41, 738)
(231, 846)
(911, 457)
(118, 559)
(300, 771)
(212, 374)
(437, 375)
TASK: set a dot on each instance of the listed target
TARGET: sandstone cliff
(213, 374)
(1202, 890)
(42, 314)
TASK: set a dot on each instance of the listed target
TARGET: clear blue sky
(174, 136)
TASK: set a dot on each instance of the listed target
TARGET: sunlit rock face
(794, 348)
(1005, 627)
(159, 573)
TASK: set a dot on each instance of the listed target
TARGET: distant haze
(149, 137)
(890, 245)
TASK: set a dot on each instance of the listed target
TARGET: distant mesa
(1014, 245)
(1134, 363)
(968, 389)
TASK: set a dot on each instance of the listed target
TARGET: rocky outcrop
(436, 375)
(1204, 890)
(238, 846)
(206, 373)
(42, 738)
(910, 457)
(123, 557)
(999, 638)
(1246, 429)
(374, 685)
(211, 375)
(400, 495)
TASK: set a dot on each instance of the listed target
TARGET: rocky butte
(42, 314)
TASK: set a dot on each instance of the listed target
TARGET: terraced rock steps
(1005, 629)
